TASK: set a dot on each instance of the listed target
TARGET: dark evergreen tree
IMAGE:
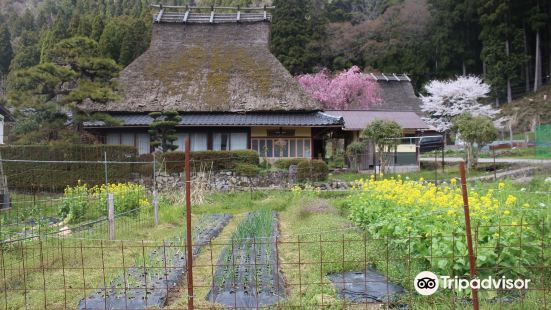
(6, 51)
(291, 34)
(163, 130)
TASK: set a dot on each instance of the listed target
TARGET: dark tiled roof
(233, 119)
(358, 120)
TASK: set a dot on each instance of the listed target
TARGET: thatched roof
(397, 94)
(208, 67)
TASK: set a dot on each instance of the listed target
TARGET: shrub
(313, 170)
(218, 160)
(247, 170)
(286, 163)
(56, 176)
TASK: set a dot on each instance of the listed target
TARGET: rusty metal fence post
(189, 247)
(111, 215)
(472, 259)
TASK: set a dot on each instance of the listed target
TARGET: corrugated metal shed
(314, 119)
(358, 120)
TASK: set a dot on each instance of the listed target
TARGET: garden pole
(111, 216)
(188, 229)
(105, 168)
(495, 166)
(472, 262)
(443, 156)
(155, 198)
(435, 168)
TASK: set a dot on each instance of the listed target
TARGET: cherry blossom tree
(345, 90)
(451, 98)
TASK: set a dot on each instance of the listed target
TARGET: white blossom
(448, 99)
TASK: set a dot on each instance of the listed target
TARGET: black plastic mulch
(366, 287)
(149, 286)
(248, 275)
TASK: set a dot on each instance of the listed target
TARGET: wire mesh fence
(330, 269)
(56, 253)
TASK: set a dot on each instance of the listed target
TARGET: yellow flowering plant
(429, 220)
(82, 202)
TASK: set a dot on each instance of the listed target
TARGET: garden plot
(148, 283)
(247, 275)
(369, 286)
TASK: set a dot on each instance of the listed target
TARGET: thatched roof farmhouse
(217, 71)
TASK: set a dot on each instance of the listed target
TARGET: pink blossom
(348, 89)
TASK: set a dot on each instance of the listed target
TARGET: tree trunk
(509, 92)
(511, 133)
(527, 66)
(537, 68)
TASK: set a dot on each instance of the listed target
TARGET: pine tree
(163, 130)
(6, 51)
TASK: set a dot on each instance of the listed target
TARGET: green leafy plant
(314, 170)
(385, 137)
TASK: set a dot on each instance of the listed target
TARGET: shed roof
(208, 68)
(358, 120)
(310, 119)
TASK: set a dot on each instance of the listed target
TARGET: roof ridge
(186, 14)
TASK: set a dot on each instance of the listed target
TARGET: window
(199, 141)
(282, 147)
(221, 142)
(139, 140)
(127, 139)
(113, 139)
(229, 141)
(144, 143)
(239, 141)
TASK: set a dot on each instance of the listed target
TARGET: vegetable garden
(305, 248)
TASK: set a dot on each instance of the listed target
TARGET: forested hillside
(508, 42)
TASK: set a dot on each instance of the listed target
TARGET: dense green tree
(502, 39)
(292, 34)
(133, 44)
(28, 51)
(384, 135)
(6, 51)
(163, 130)
(476, 131)
(454, 37)
(97, 27)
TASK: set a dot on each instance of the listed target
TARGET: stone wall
(225, 181)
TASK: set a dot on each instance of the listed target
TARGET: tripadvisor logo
(427, 283)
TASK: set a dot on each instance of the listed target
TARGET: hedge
(313, 170)
(286, 163)
(54, 177)
(173, 162)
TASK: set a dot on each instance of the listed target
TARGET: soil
(255, 279)
(149, 287)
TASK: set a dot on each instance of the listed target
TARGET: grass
(328, 244)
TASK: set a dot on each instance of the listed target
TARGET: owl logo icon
(426, 283)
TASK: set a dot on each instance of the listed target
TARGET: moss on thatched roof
(208, 67)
